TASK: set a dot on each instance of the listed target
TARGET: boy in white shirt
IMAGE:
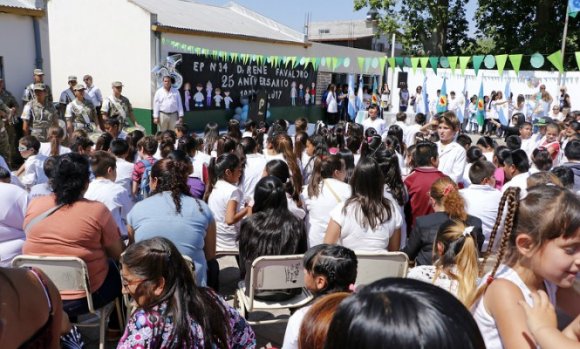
(373, 120)
(120, 148)
(104, 189)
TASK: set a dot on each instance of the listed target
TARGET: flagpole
(564, 34)
(393, 72)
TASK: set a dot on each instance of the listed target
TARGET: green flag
(424, 61)
(463, 60)
(414, 63)
(578, 59)
(477, 60)
(500, 60)
(516, 61)
(556, 60)
(452, 63)
(434, 61)
(392, 63)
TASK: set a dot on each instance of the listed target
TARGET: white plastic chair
(373, 266)
(226, 252)
(70, 274)
(273, 273)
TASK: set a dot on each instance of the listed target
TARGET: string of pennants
(537, 60)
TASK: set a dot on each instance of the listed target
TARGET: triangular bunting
(414, 64)
(382, 62)
(367, 64)
(500, 61)
(433, 61)
(516, 61)
(477, 60)
(556, 60)
(334, 63)
(392, 63)
(452, 63)
(361, 63)
(424, 61)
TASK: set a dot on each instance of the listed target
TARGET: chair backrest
(67, 273)
(276, 273)
(373, 266)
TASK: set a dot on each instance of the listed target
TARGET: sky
(292, 13)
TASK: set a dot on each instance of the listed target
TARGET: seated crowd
(131, 206)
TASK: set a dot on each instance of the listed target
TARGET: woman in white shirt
(332, 105)
(367, 221)
(325, 190)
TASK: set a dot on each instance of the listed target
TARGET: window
(323, 31)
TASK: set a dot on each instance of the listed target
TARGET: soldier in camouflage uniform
(118, 106)
(11, 103)
(80, 112)
(67, 95)
(39, 115)
(4, 114)
(29, 90)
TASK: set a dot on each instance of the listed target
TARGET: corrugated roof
(231, 19)
(27, 4)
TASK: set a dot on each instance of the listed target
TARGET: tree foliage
(428, 27)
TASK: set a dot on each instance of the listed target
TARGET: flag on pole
(573, 8)
(351, 97)
(462, 104)
(375, 95)
(360, 95)
(480, 106)
(442, 102)
(507, 91)
(424, 96)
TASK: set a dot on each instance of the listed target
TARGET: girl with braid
(536, 253)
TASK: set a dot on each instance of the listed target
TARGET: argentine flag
(351, 97)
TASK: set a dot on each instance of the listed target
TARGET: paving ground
(267, 335)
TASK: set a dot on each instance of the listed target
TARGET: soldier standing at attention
(29, 90)
(67, 95)
(39, 115)
(118, 106)
(167, 106)
(95, 96)
(11, 103)
(4, 114)
(80, 112)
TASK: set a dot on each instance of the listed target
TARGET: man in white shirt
(104, 189)
(94, 95)
(167, 106)
(516, 168)
(481, 197)
(373, 120)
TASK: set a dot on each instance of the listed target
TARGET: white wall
(18, 52)
(526, 83)
(108, 39)
(266, 48)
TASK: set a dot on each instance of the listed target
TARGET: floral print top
(150, 329)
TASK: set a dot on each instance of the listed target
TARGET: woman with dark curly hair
(172, 212)
(66, 224)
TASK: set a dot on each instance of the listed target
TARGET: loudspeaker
(402, 79)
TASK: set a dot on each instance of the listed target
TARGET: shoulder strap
(336, 197)
(34, 221)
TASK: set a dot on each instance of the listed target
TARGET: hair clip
(467, 231)
(352, 288)
(490, 279)
(333, 151)
(448, 189)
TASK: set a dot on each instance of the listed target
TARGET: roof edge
(175, 30)
(21, 11)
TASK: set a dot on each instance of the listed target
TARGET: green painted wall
(196, 120)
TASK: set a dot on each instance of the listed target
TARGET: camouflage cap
(38, 72)
(117, 84)
(79, 87)
(39, 87)
(72, 78)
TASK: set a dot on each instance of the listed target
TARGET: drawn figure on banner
(301, 94)
(218, 98)
(198, 96)
(313, 93)
(307, 97)
(293, 92)
(227, 99)
(187, 96)
(208, 93)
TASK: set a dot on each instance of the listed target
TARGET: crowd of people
(132, 205)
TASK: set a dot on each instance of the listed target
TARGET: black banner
(210, 83)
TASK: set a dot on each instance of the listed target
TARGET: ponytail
(446, 193)
(512, 198)
(217, 168)
(324, 167)
(460, 250)
(55, 134)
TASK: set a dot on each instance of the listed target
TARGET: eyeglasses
(126, 283)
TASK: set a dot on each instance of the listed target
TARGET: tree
(429, 27)
(527, 27)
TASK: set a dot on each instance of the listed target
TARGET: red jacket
(418, 184)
